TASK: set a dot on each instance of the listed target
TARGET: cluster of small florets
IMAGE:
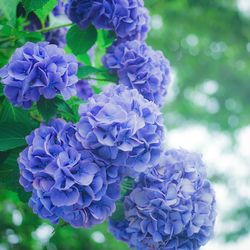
(74, 171)
(172, 207)
(66, 181)
(139, 66)
(129, 19)
(39, 69)
(122, 127)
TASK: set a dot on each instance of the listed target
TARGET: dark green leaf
(10, 113)
(81, 40)
(47, 108)
(1, 89)
(31, 5)
(9, 176)
(12, 135)
(9, 10)
(3, 156)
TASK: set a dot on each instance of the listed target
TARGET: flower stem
(54, 27)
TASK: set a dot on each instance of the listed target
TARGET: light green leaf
(44, 12)
(81, 40)
(105, 38)
(85, 71)
(9, 9)
(32, 5)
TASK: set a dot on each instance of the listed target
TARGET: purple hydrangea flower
(59, 9)
(57, 37)
(129, 19)
(172, 207)
(66, 181)
(120, 126)
(139, 66)
(83, 90)
(39, 69)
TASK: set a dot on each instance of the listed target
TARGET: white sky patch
(17, 217)
(192, 40)
(210, 87)
(199, 98)
(173, 88)
(43, 233)
(156, 22)
(98, 237)
(244, 6)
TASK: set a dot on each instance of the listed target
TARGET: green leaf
(12, 135)
(9, 9)
(85, 71)
(32, 5)
(47, 108)
(102, 75)
(84, 58)
(105, 38)
(9, 113)
(79, 40)
(9, 176)
(3, 156)
(1, 89)
(44, 12)
(65, 111)
(126, 187)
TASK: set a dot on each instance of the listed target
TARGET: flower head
(171, 208)
(129, 19)
(122, 127)
(59, 9)
(83, 90)
(139, 66)
(65, 179)
(39, 69)
(57, 37)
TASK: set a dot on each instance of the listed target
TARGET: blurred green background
(208, 110)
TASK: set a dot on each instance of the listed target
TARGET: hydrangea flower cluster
(139, 66)
(59, 9)
(39, 69)
(129, 19)
(122, 127)
(172, 207)
(83, 90)
(57, 37)
(66, 181)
